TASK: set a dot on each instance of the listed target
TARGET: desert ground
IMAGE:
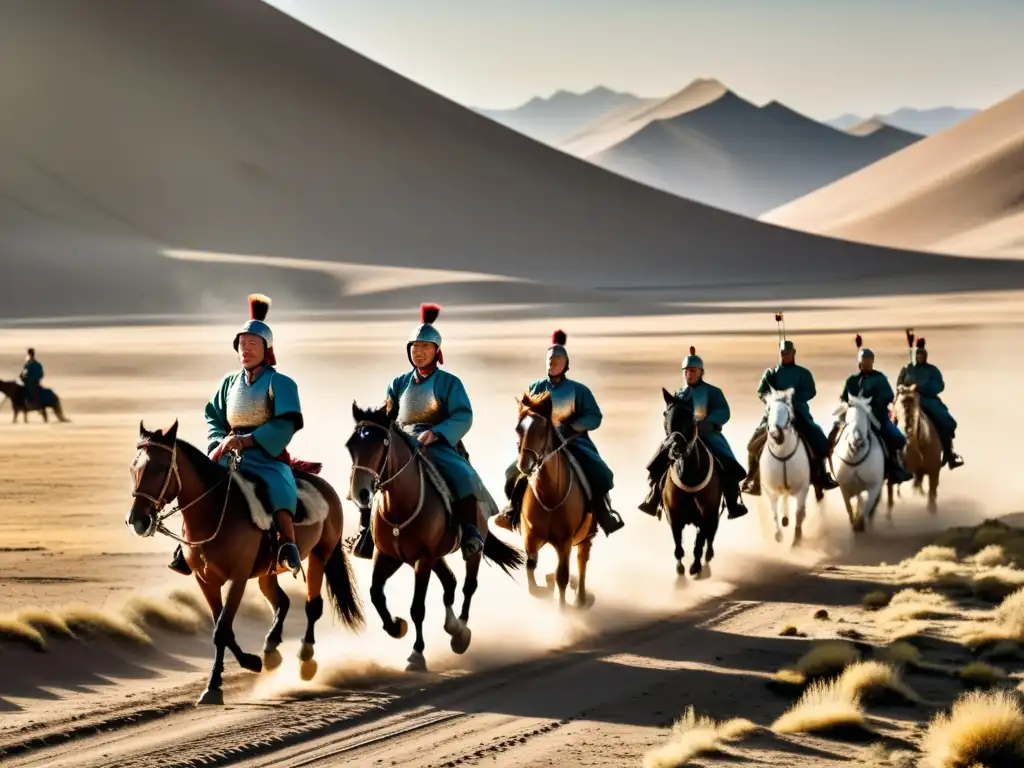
(103, 651)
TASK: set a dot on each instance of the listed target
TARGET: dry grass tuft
(876, 600)
(46, 622)
(169, 615)
(827, 659)
(824, 708)
(990, 556)
(983, 729)
(14, 630)
(693, 736)
(1007, 624)
(791, 631)
(876, 682)
(916, 604)
(901, 654)
(936, 554)
(85, 620)
(821, 615)
(979, 674)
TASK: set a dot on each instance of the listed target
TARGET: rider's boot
(287, 552)
(752, 482)
(178, 564)
(606, 517)
(950, 458)
(509, 517)
(363, 546)
(897, 471)
(824, 479)
(652, 502)
(733, 502)
(466, 515)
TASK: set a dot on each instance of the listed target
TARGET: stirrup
(283, 551)
(362, 545)
(178, 563)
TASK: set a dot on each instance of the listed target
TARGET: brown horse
(411, 526)
(224, 546)
(922, 454)
(15, 392)
(692, 492)
(554, 507)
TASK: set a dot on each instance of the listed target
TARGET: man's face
(422, 353)
(921, 357)
(788, 358)
(556, 364)
(866, 364)
(250, 350)
(691, 375)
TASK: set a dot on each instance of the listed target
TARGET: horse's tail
(507, 557)
(342, 589)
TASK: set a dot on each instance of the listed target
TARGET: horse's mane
(539, 404)
(860, 403)
(209, 471)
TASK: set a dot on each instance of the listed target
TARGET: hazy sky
(824, 57)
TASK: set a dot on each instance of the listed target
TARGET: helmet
(426, 331)
(787, 347)
(259, 306)
(557, 347)
(692, 361)
(864, 352)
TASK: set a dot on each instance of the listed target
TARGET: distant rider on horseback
(711, 412)
(31, 379)
(788, 375)
(871, 383)
(431, 404)
(575, 414)
(255, 412)
(929, 383)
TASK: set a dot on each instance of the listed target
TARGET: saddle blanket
(312, 507)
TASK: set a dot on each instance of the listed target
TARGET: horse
(923, 453)
(785, 464)
(411, 525)
(554, 505)
(223, 545)
(861, 457)
(692, 494)
(15, 392)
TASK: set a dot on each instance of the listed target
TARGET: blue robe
(710, 406)
(876, 386)
(269, 410)
(574, 405)
(801, 381)
(929, 385)
(31, 375)
(439, 403)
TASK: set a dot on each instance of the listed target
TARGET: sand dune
(231, 128)
(707, 144)
(956, 192)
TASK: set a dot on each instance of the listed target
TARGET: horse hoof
(307, 669)
(400, 628)
(858, 526)
(681, 568)
(695, 569)
(306, 652)
(460, 642)
(778, 536)
(250, 662)
(416, 663)
(452, 624)
(785, 522)
(585, 601)
(211, 697)
(271, 659)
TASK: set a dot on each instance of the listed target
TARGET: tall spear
(910, 344)
(782, 328)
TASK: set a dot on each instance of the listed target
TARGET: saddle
(311, 508)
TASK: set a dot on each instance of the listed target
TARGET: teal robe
(801, 381)
(439, 403)
(929, 384)
(31, 375)
(710, 405)
(272, 414)
(876, 386)
(575, 407)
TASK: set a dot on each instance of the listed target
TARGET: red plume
(429, 313)
(259, 306)
(858, 341)
(778, 317)
(693, 351)
(920, 343)
(558, 337)
(910, 337)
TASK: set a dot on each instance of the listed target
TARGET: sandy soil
(537, 688)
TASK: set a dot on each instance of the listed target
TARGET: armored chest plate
(563, 402)
(699, 398)
(249, 406)
(418, 404)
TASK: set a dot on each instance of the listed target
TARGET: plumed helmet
(692, 361)
(863, 352)
(558, 339)
(259, 306)
(787, 347)
(426, 331)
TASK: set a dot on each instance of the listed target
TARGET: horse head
(780, 414)
(680, 424)
(369, 446)
(533, 428)
(858, 418)
(155, 478)
(908, 397)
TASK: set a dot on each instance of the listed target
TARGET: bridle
(854, 461)
(161, 501)
(380, 483)
(691, 445)
(543, 458)
(784, 459)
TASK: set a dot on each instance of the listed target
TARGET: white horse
(858, 460)
(785, 464)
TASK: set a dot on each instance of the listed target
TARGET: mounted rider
(788, 375)
(575, 414)
(928, 379)
(255, 412)
(711, 412)
(431, 404)
(31, 379)
(874, 384)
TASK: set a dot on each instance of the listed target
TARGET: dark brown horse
(15, 392)
(411, 526)
(692, 492)
(554, 507)
(223, 546)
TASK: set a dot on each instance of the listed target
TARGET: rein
(691, 444)
(380, 484)
(531, 478)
